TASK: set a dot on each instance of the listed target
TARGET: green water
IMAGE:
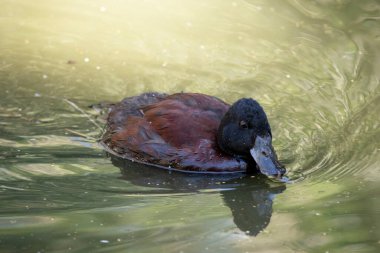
(313, 65)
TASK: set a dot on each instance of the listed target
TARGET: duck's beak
(265, 157)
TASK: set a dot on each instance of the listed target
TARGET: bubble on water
(98, 67)
(37, 95)
(104, 241)
(44, 76)
(86, 59)
(288, 76)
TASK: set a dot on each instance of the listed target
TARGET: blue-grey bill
(266, 158)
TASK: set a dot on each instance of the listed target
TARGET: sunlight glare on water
(313, 65)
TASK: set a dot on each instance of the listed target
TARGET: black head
(244, 131)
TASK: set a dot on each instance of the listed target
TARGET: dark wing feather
(128, 107)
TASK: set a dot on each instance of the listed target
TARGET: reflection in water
(251, 204)
(249, 198)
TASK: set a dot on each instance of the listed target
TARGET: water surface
(313, 65)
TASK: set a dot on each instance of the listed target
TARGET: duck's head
(244, 132)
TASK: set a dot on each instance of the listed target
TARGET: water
(313, 65)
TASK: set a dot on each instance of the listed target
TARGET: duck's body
(180, 131)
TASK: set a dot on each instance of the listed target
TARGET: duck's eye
(243, 124)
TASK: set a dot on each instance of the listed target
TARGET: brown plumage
(176, 131)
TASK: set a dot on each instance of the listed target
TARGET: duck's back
(176, 131)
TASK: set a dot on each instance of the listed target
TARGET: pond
(313, 65)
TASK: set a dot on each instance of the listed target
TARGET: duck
(192, 132)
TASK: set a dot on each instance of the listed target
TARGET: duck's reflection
(251, 204)
(250, 199)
